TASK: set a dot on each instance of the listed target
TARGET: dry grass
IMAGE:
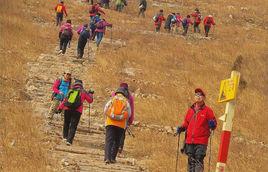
(23, 37)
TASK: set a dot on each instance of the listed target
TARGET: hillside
(161, 69)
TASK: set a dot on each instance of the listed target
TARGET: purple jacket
(101, 26)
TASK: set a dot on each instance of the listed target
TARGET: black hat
(122, 91)
(78, 82)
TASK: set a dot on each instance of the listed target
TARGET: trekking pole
(177, 156)
(111, 36)
(130, 132)
(89, 118)
(88, 49)
(210, 149)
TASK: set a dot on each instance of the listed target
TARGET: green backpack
(73, 99)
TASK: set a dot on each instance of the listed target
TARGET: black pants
(71, 120)
(122, 141)
(196, 27)
(185, 30)
(196, 154)
(141, 12)
(207, 28)
(112, 141)
(80, 47)
(157, 28)
(64, 40)
(59, 18)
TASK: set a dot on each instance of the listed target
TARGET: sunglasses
(198, 94)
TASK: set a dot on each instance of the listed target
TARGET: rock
(244, 9)
(129, 71)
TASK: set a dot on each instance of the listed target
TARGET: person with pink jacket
(100, 30)
(65, 35)
(73, 110)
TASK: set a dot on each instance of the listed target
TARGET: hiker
(131, 117)
(142, 8)
(100, 30)
(117, 111)
(73, 108)
(185, 24)
(198, 124)
(105, 4)
(60, 9)
(93, 21)
(168, 22)
(197, 20)
(60, 89)
(81, 28)
(208, 21)
(96, 8)
(176, 23)
(158, 19)
(65, 35)
(119, 5)
(82, 41)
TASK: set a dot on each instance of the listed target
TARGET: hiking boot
(68, 143)
(60, 52)
(113, 161)
(107, 161)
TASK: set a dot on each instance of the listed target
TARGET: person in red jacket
(158, 19)
(60, 9)
(96, 8)
(197, 20)
(208, 21)
(198, 124)
(74, 110)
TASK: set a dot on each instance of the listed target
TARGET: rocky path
(87, 151)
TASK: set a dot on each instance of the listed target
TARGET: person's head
(200, 95)
(124, 85)
(67, 75)
(188, 16)
(69, 21)
(178, 14)
(85, 25)
(161, 11)
(61, 1)
(196, 10)
(210, 16)
(122, 91)
(173, 13)
(98, 14)
(78, 83)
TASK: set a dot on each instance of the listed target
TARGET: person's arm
(213, 22)
(205, 20)
(212, 122)
(88, 97)
(55, 86)
(64, 10)
(108, 104)
(100, 10)
(56, 7)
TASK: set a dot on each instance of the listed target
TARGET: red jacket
(197, 17)
(209, 21)
(159, 21)
(60, 8)
(197, 126)
(95, 9)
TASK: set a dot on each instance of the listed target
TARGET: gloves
(212, 124)
(180, 129)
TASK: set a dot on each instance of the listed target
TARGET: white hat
(210, 15)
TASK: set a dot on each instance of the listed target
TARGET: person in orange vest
(60, 9)
(117, 112)
(208, 21)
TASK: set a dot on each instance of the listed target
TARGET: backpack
(184, 22)
(99, 25)
(155, 18)
(73, 100)
(118, 106)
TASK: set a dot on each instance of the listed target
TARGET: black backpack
(73, 100)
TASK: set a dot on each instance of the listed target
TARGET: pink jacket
(66, 26)
(103, 26)
(84, 96)
(131, 103)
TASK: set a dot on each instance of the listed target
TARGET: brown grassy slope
(173, 67)
(22, 39)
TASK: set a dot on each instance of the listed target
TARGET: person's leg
(117, 137)
(157, 28)
(198, 28)
(84, 42)
(200, 153)
(122, 142)
(195, 27)
(60, 18)
(53, 108)
(79, 49)
(189, 150)
(75, 117)
(109, 141)
(64, 45)
(143, 13)
(99, 38)
(206, 30)
(57, 19)
(66, 124)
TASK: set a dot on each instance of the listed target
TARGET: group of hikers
(175, 20)
(68, 97)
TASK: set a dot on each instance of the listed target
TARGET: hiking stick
(130, 132)
(88, 49)
(89, 118)
(177, 156)
(111, 36)
(210, 147)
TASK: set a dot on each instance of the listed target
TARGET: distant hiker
(65, 35)
(131, 117)
(176, 23)
(73, 108)
(81, 28)
(60, 89)
(185, 24)
(105, 4)
(198, 122)
(158, 19)
(208, 21)
(119, 5)
(142, 8)
(168, 23)
(117, 111)
(82, 41)
(197, 20)
(60, 9)
(93, 21)
(100, 30)
(94, 9)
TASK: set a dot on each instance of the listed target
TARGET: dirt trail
(87, 151)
